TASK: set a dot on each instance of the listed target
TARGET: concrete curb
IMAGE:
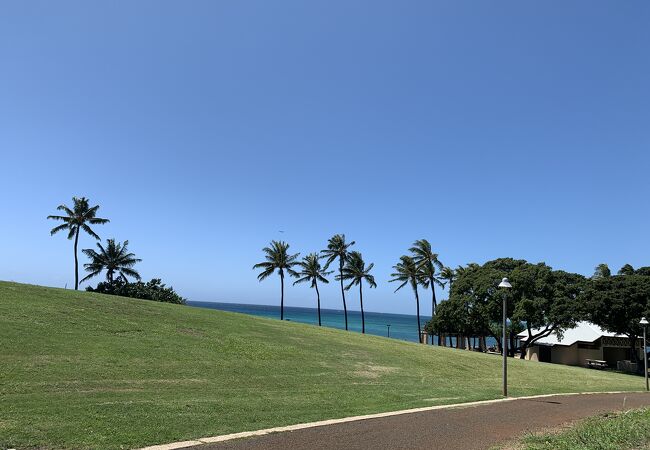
(321, 423)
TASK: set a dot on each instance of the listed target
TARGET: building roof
(583, 332)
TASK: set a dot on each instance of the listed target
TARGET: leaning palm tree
(312, 271)
(77, 218)
(114, 259)
(338, 248)
(277, 257)
(429, 267)
(406, 272)
(356, 272)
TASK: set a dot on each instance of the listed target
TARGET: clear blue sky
(203, 128)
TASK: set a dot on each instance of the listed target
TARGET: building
(584, 342)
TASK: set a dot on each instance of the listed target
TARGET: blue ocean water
(402, 326)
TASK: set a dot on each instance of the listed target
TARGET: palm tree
(77, 218)
(115, 258)
(312, 272)
(429, 268)
(356, 272)
(406, 271)
(338, 248)
(277, 257)
(448, 275)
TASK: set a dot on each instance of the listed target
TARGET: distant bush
(152, 290)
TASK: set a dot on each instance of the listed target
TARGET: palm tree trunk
(363, 320)
(76, 261)
(417, 303)
(281, 294)
(318, 298)
(434, 304)
(345, 307)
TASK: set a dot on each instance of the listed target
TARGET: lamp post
(644, 323)
(505, 284)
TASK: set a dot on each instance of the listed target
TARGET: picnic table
(596, 364)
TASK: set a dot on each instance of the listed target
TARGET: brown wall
(570, 356)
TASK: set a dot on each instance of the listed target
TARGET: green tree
(312, 272)
(338, 248)
(406, 272)
(77, 218)
(545, 301)
(115, 258)
(277, 257)
(627, 269)
(617, 303)
(356, 272)
(645, 271)
(602, 271)
(154, 290)
(430, 268)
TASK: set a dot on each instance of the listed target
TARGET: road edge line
(322, 423)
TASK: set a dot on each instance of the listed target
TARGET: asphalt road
(462, 428)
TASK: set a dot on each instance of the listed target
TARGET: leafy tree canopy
(602, 271)
(154, 290)
(540, 298)
(617, 303)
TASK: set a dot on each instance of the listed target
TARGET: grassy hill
(83, 370)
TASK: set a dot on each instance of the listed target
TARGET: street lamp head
(644, 321)
(505, 284)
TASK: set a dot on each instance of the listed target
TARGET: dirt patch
(372, 371)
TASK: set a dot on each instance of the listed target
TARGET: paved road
(463, 428)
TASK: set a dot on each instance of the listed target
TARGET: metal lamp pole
(644, 323)
(505, 284)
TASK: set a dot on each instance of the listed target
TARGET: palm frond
(265, 274)
(92, 274)
(401, 285)
(89, 230)
(125, 271)
(58, 228)
(302, 280)
(67, 210)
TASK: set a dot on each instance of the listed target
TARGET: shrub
(152, 290)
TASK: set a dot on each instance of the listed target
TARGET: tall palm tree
(77, 218)
(312, 271)
(338, 248)
(356, 272)
(277, 257)
(406, 272)
(115, 258)
(429, 267)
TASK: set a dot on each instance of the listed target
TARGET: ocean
(400, 326)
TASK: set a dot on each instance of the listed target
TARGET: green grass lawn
(83, 370)
(614, 431)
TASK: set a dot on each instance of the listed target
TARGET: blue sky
(203, 128)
